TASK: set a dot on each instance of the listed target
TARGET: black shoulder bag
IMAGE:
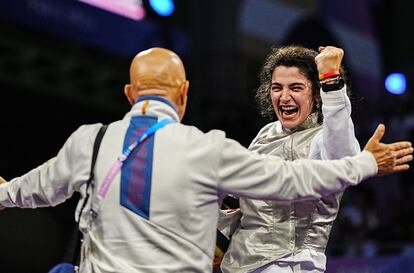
(72, 255)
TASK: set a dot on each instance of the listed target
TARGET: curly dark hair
(289, 56)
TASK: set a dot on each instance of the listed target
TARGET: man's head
(158, 72)
(286, 70)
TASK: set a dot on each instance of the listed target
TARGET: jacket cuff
(4, 195)
(370, 166)
(334, 97)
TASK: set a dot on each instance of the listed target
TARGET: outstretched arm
(265, 177)
(56, 180)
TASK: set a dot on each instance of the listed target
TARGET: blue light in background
(162, 7)
(396, 83)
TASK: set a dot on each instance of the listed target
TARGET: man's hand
(329, 59)
(391, 158)
(1, 182)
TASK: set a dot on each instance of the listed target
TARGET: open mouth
(288, 111)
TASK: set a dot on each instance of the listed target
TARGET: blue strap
(149, 132)
(96, 202)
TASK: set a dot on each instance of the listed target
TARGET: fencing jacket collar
(154, 106)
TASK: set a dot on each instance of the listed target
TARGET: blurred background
(64, 63)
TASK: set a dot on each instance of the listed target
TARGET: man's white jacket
(160, 213)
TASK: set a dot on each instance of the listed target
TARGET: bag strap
(74, 244)
(222, 242)
(96, 146)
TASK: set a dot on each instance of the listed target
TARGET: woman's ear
(318, 103)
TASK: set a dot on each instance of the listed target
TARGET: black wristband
(333, 86)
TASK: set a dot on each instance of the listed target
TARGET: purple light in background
(132, 9)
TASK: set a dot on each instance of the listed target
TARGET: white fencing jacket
(160, 214)
(294, 232)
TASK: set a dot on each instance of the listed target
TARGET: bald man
(156, 193)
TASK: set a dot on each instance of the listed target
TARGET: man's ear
(184, 92)
(181, 102)
(129, 93)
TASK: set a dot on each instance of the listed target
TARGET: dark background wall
(64, 63)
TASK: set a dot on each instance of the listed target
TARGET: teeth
(288, 108)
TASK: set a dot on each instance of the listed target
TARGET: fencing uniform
(293, 236)
(160, 212)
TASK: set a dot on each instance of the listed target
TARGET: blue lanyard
(149, 132)
(116, 167)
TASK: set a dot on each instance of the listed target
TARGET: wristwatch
(335, 85)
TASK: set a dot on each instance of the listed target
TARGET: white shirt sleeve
(54, 181)
(337, 137)
(258, 176)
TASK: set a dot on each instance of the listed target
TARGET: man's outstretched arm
(271, 178)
